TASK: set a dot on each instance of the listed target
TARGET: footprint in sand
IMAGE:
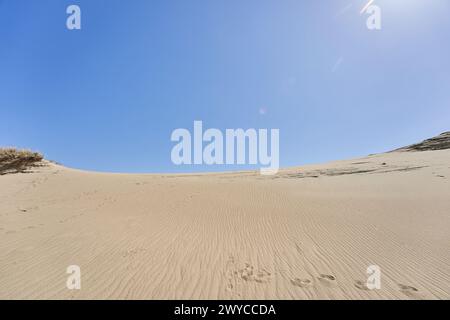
(409, 291)
(262, 276)
(327, 280)
(302, 283)
(248, 274)
(362, 285)
(239, 278)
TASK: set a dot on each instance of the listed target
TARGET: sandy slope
(237, 235)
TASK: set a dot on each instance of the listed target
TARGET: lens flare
(367, 6)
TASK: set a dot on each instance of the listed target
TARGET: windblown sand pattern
(306, 233)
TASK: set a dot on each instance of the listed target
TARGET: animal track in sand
(230, 286)
(327, 280)
(302, 283)
(262, 276)
(409, 291)
(248, 274)
(237, 277)
(361, 285)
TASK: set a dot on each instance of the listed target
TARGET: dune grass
(13, 160)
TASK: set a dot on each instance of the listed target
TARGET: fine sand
(306, 233)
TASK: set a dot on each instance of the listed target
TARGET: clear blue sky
(107, 97)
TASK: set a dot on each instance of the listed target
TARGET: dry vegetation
(13, 160)
(440, 142)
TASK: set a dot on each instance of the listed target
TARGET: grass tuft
(13, 160)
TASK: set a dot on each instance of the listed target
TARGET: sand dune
(306, 233)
